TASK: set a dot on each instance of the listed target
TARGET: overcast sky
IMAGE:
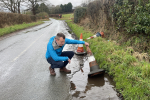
(58, 2)
(54, 2)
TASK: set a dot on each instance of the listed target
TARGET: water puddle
(82, 87)
(99, 87)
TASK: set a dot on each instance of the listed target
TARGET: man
(54, 54)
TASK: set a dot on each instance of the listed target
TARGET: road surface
(24, 73)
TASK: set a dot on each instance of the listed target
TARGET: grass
(132, 77)
(13, 28)
(65, 17)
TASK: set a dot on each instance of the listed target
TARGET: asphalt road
(24, 73)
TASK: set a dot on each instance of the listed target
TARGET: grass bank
(65, 17)
(132, 77)
(10, 29)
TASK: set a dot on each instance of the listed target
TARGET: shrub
(42, 15)
(7, 19)
(139, 22)
(79, 13)
(94, 11)
(99, 11)
(132, 17)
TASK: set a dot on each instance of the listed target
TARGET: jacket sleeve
(70, 41)
(54, 54)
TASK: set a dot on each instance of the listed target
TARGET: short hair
(60, 35)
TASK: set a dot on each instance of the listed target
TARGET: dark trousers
(60, 64)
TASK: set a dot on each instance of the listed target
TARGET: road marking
(26, 49)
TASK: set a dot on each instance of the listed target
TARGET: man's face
(60, 41)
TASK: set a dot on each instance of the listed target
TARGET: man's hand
(69, 61)
(86, 44)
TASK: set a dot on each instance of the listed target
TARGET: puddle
(99, 87)
(82, 87)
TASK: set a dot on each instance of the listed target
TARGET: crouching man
(54, 54)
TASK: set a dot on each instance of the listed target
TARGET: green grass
(132, 77)
(66, 17)
(78, 30)
(14, 28)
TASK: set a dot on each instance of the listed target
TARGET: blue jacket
(55, 51)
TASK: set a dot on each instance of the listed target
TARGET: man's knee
(55, 64)
(72, 54)
(50, 60)
(59, 64)
(69, 54)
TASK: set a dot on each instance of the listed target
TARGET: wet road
(24, 73)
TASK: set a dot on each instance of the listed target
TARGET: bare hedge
(99, 11)
(7, 19)
(99, 15)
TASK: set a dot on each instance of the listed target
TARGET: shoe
(64, 69)
(52, 71)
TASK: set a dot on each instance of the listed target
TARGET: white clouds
(58, 2)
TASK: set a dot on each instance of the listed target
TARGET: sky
(55, 2)
(74, 2)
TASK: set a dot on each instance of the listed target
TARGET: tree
(56, 10)
(43, 8)
(62, 7)
(66, 7)
(37, 9)
(12, 5)
(69, 6)
(84, 5)
(18, 4)
(33, 4)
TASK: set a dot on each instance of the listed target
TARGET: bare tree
(1, 9)
(86, 2)
(15, 5)
(12, 5)
(84, 5)
(33, 4)
(18, 5)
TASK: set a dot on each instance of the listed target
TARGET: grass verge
(132, 77)
(65, 17)
(14, 28)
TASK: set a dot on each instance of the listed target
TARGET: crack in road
(8, 46)
(38, 28)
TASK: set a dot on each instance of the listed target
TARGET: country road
(24, 73)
